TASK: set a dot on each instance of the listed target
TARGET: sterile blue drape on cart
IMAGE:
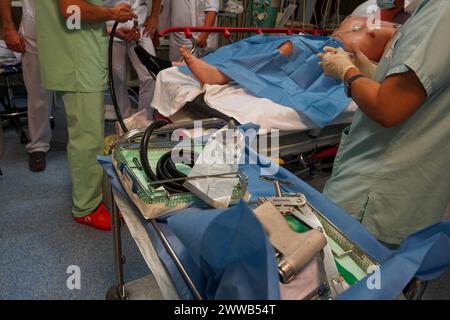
(229, 257)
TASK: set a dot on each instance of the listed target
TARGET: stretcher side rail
(188, 31)
(227, 32)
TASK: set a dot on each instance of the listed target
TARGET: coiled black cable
(144, 149)
(165, 168)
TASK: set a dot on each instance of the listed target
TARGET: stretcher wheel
(415, 290)
(112, 294)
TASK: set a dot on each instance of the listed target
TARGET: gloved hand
(336, 62)
(363, 63)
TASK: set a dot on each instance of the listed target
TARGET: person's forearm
(210, 19)
(365, 93)
(156, 9)
(389, 103)
(89, 12)
(6, 15)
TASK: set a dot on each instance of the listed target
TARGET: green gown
(74, 63)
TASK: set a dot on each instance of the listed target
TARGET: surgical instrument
(299, 209)
(270, 179)
(318, 293)
(295, 250)
(221, 175)
(277, 184)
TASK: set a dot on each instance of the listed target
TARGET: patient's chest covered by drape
(296, 81)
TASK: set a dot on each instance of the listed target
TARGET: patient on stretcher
(353, 33)
(284, 69)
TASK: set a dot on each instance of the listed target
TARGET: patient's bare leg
(204, 72)
(208, 74)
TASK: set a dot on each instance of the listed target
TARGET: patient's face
(371, 42)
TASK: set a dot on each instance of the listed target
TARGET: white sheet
(8, 57)
(174, 89)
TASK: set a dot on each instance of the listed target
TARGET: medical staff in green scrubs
(74, 63)
(392, 171)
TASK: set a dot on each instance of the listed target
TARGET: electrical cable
(143, 56)
(144, 149)
(166, 168)
(338, 9)
(111, 79)
(316, 20)
(322, 12)
(145, 164)
(304, 14)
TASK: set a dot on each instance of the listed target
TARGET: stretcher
(169, 255)
(10, 66)
(180, 98)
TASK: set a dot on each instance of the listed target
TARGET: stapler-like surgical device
(295, 250)
(299, 233)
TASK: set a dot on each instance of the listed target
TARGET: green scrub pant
(85, 121)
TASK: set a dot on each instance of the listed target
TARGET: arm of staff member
(388, 103)
(91, 13)
(210, 21)
(151, 23)
(13, 39)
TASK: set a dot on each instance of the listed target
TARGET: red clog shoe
(99, 219)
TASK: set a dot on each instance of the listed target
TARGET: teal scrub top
(70, 60)
(396, 181)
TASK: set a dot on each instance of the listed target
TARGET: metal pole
(176, 260)
(119, 259)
